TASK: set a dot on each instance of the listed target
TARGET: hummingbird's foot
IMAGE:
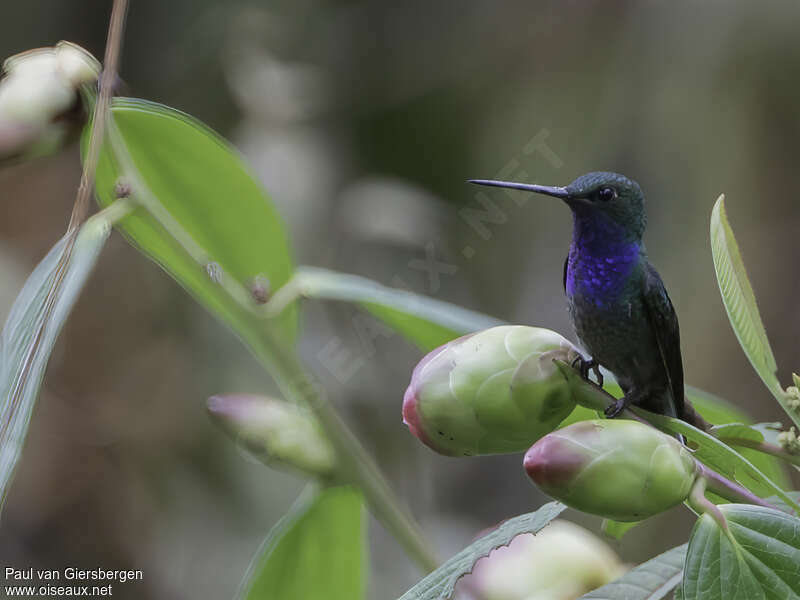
(584, 366)
(597, 373)
(613, 410)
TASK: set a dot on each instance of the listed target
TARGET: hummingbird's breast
(604, 293)
(601, 275)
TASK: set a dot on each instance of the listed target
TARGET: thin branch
(116, 211)
(80, 208)
(730, 490)
(699, 503)
(283, 364)
(295, 383)
(107, 78)
(590, 395)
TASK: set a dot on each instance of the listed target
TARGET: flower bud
(276, 432)
(618, 469)
(561, 562)
(490, 392)
(789, 441)
(793, 397)
(38, 95)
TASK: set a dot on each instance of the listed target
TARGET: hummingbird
(617, 301)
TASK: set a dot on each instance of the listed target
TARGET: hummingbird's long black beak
(557, 192)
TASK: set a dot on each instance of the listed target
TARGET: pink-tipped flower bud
(618, 469)
(490, 392)
(276, 432)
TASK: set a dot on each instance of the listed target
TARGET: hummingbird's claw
(613, 410)
(584, 366)
(597, 374)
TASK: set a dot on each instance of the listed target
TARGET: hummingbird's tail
(691, 416)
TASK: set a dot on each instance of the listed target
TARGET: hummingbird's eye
(607, 193)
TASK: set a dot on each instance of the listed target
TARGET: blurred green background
(363, 120)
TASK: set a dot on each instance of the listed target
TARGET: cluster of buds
(276, 432)
(39, 99)
(490, 392)
(789, 441)
(793, 394)
(499, 390)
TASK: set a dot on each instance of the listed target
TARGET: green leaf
(740, 302)
(741, 436)
(439, 584)
(204, 219)
(779, 503)
(721, 457)
(316, 551)
(717, 410)
(427, 322)
(31, 330)
(652, 580)
(737, 431)
(203, 187)
(769, 431)
(759, 559)
(713, 408)
(426, 335)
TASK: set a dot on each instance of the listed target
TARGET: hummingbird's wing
(566, 266)
(664, 323)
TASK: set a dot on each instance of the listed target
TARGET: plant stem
(699, 503)
(590, 395)
(107, 77)
(116, 211)
(297, 386)
(730, 490)
(284, 366)
(80, 207)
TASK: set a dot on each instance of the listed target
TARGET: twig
(730, 490)
(115, 29)
(590, 395)
(364, 473)
(80, 208)
(116, 211)
(699, 503)
(283, 364)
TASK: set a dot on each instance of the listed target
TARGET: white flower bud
(75, 64)
(39, 89)
(561, 562)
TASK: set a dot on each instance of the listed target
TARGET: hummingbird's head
(599, 194)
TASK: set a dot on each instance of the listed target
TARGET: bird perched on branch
(617, 302)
